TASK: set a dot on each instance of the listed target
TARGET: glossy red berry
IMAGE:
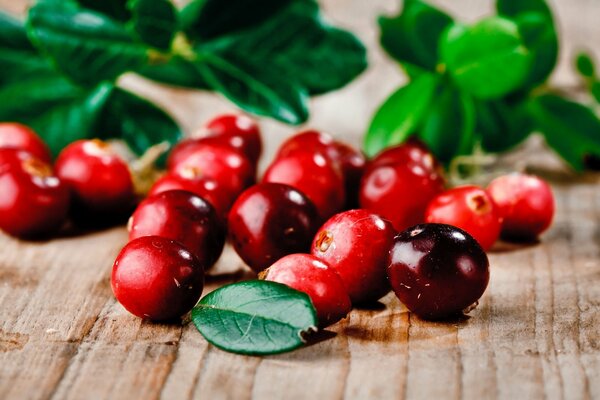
(239, 131)
(318, 280)
(437, 271)
(184, 217)
(356, 243)
(526, 203)
(221, 197)
(269, 221)
(309, 140)
(471, 209)
(400, 192)
(100, 181)
(413, 152)
(209, 159)
(18, 136)
(157, 278)
(33, 201)
(313, 174)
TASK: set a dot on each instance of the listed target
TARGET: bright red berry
(318, 280)
(309, 140)
(526, 203)
(184, 217)
(269, 221)
(33, 201)
(239, 131)
(18, 136)
(315, 175)
(100, 181)
(356, 243)
(471, 209)
(437, 271)
(413, 152)
(157, 278)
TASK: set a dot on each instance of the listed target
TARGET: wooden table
(534, 335)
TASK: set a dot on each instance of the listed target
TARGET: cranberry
(313, 174)
(239, 131)
(400, 192)
(471, 209)
(413, 152)
(99, 180)
(437, 270)
(18, 136)
(219, 196)
(210, 159)
(269, 221)
(526, 203)
(311, 140)
(33, 202)
(157, 278)
(181, 216)
(355, 243)
(312, 276)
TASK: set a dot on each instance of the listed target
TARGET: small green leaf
(570, 128)
(585, 65)
(488, 59)
(413, 36)
(86, 45)
(512, 8)
(595, 89)
(400, 114)
(116, 9)
(177, 71)
(13, 34)
(154, 21)
(501, 125)
(255, 317)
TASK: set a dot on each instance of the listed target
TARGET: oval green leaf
(400, 114)
(585, 65)
(154, 21)
(255, 317)
(488, 59)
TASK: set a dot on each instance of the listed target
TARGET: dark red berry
(239, 131)
(526, 203)
(219, 196)
(33, 202)
(315, 175)
(269, 221)
(437, 271)
(318, 280)
(18, 136)
(100, 182)
(157, 278)
(184, 217)
(356, 243)
(471, 209)
(400, 192)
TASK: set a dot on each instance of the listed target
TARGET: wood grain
(534, 335)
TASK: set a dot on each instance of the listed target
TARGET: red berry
(99, 180)
(413, 152)
(437, 270)
(471, 209)
(33, 201)
(239, 131)
(310, 140)
(269, 221)
(318, 280)
(184, 217)
(313, 174)
(356, 243)
(18, 136)
(157, 278)
(216, 161)
(219, 196)
(400, 192)
(526, 203)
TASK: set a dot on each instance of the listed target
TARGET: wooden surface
(534, 335)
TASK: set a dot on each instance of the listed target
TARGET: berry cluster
(323, 219)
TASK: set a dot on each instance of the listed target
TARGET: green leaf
(570, 128)
(488, 59)
(585, 65)
(501, 125)
(116, 9)
(512, 8)
(87, 46)
(400, 114)
(154, 21)
(255, 317)
(448, 125)
(413, 36)
(595, 90)
(177, 71)
(13, 34)
(255, 89)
